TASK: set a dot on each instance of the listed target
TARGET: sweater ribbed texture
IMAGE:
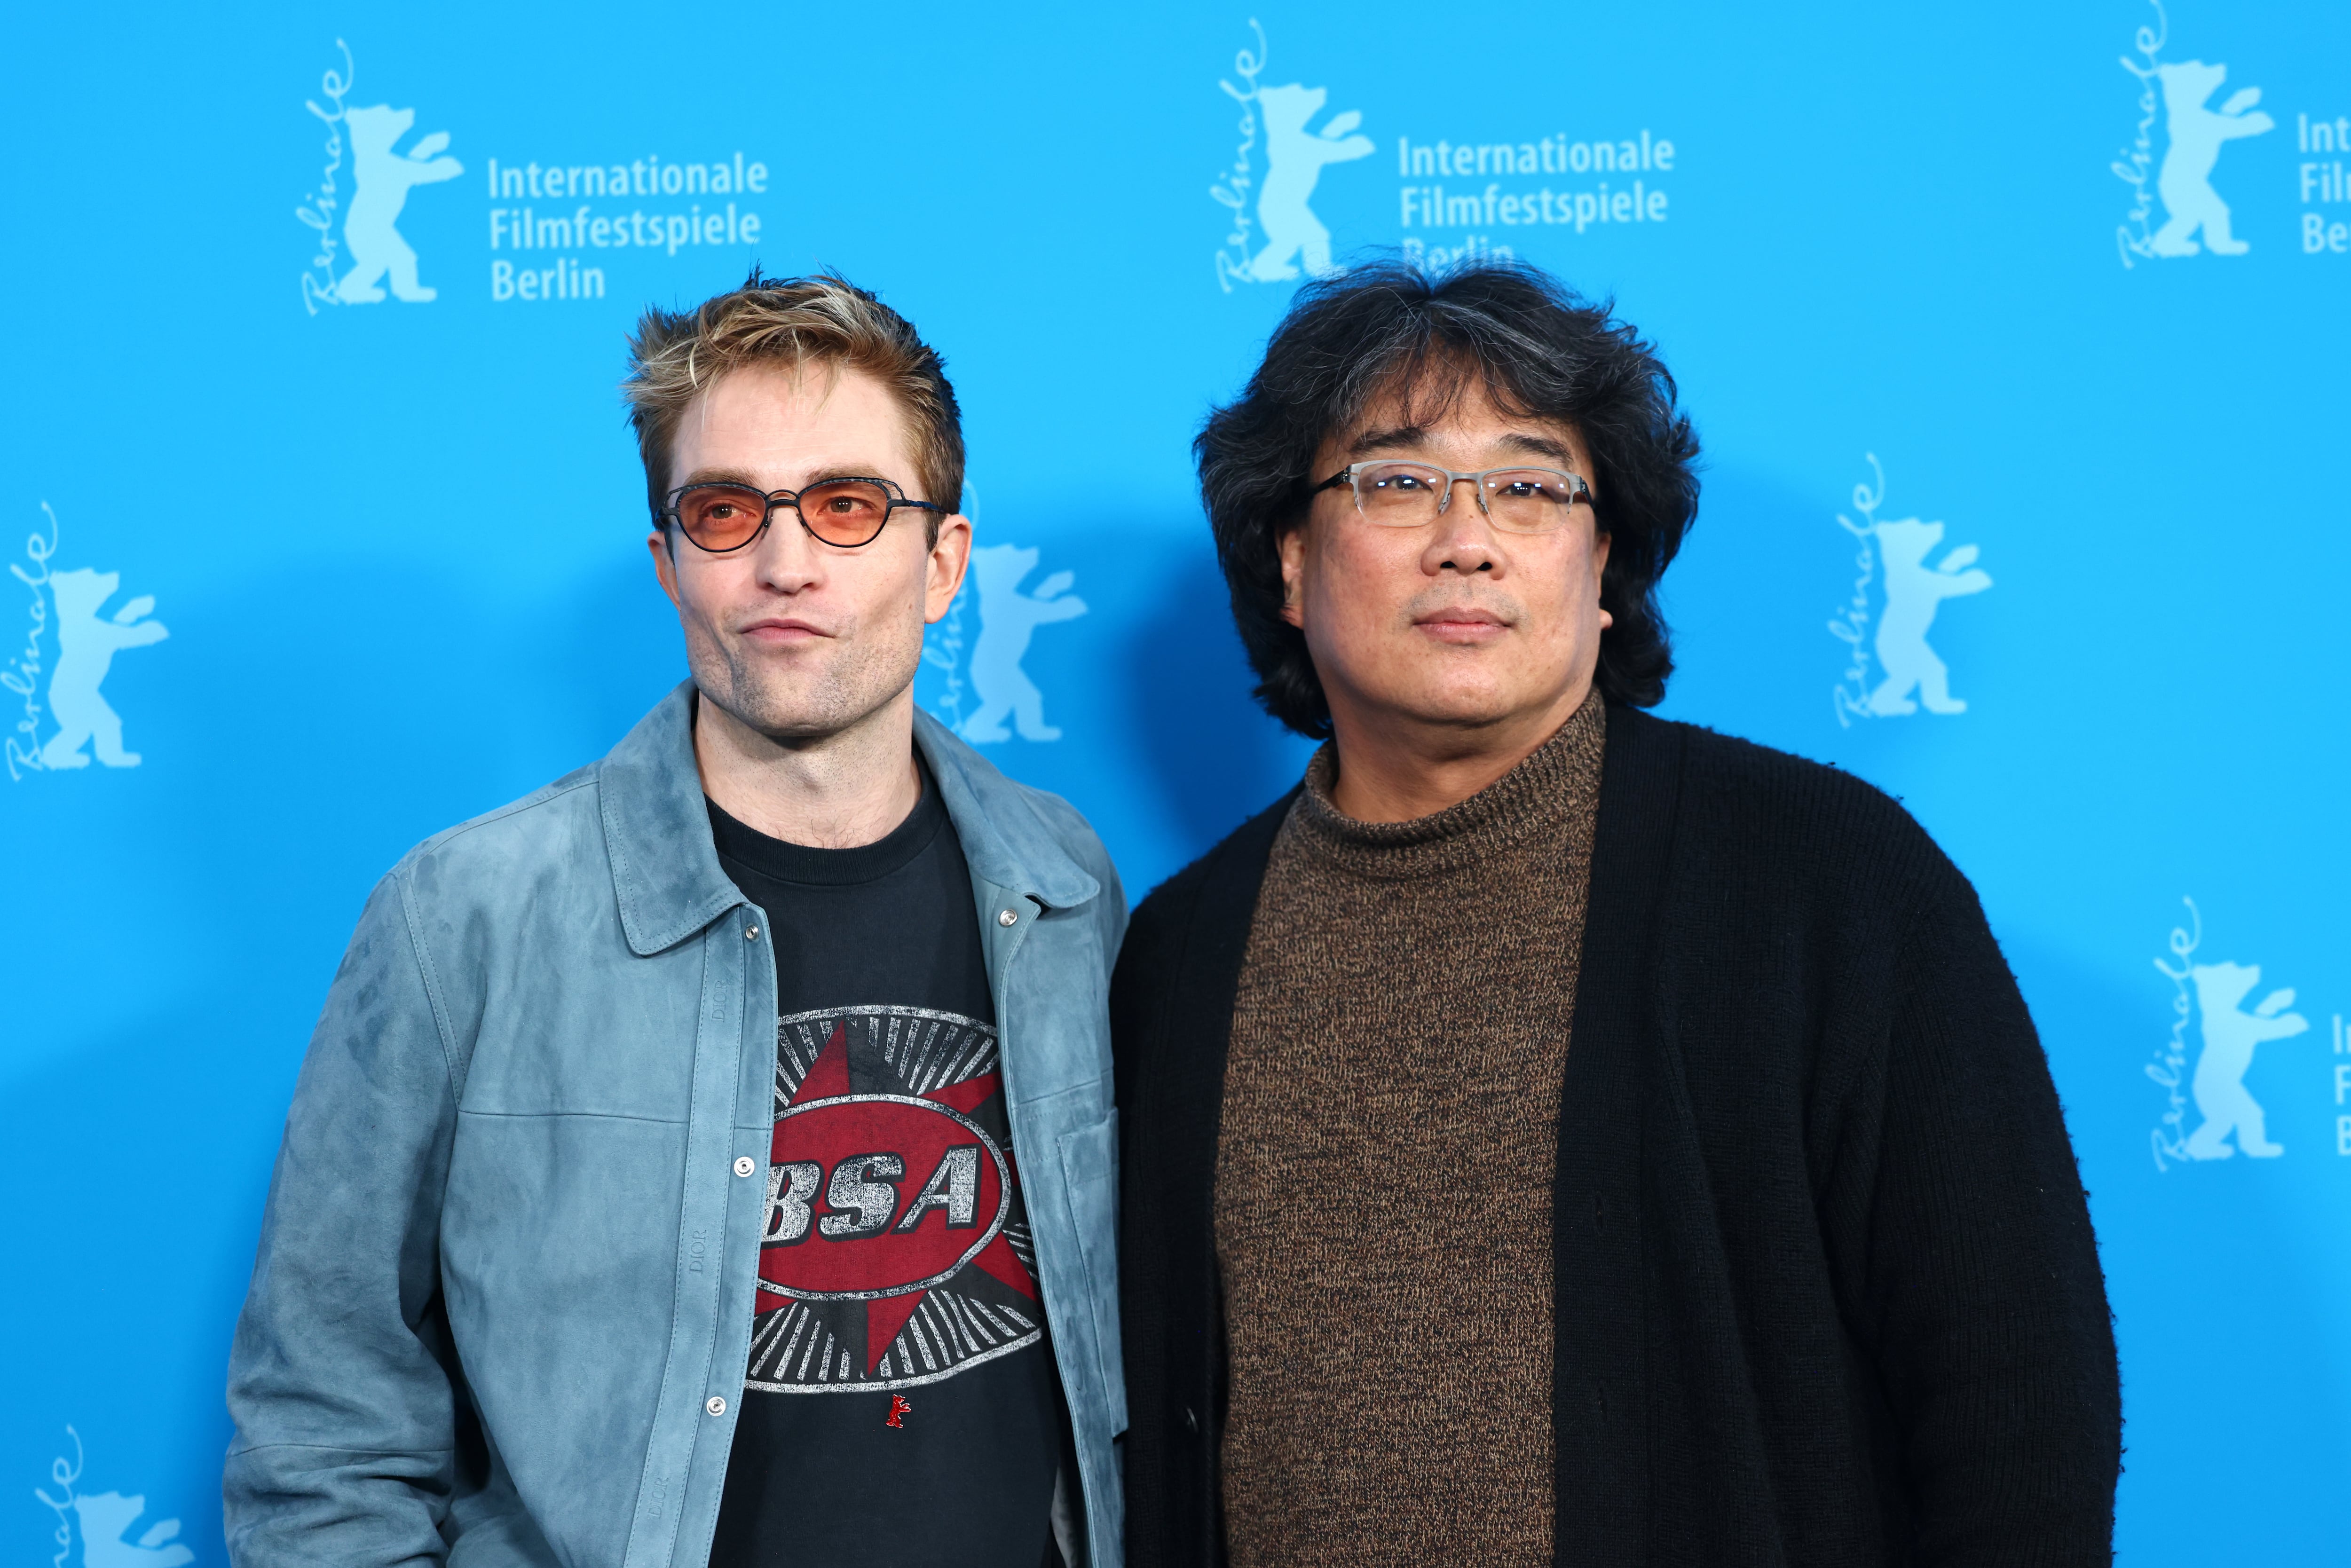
(1383, 1175)
(1826, 1292)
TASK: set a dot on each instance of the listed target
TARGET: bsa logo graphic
(896, 1250)
(992, 671)
(2212, 1024)
(372, 249)
(1286, 235)
(67, 608)
(2194, 134)
(1896, 589)
(102, 1523)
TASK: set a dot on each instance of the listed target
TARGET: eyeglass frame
(667, 516)
(1580, 490)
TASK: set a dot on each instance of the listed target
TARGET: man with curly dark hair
(1552, 1133)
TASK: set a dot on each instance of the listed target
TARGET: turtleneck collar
(1554, 785)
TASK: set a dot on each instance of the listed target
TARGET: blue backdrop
(2016, 336)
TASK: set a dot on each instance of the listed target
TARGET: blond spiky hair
(824, 320)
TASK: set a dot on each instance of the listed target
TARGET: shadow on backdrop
(2234, 1254)
(1214, 755)
(144, 1154)
(606, 648)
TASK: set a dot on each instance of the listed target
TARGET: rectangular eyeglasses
(1412, 494)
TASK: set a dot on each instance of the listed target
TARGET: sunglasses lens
(846, 512)
(721, 517)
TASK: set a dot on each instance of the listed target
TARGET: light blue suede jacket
(505, 1279)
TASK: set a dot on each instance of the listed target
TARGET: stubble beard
(812, 700)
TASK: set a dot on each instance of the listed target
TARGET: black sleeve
(1171, 1015)
(1139, 993)
(1140, 982)
(1981, 1288)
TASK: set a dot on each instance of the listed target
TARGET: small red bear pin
(898, 1408)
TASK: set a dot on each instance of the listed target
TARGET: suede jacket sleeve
(340, 1380)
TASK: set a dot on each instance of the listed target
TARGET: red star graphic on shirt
(856, 1179)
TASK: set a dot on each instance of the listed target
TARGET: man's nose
(1464, 537)
(786, 557)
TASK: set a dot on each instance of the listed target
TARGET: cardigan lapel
(1599, 1401)
(1180, 1112)
(1209, 983)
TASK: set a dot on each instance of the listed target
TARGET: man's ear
(664, 554)
(950, 557)
(1293, 545)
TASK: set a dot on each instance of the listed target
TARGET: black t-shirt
(902, 1405)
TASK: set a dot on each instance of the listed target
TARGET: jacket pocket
(1089, 1167)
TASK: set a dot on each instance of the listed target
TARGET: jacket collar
(665, 868)
(665, 871)
(1003, 838)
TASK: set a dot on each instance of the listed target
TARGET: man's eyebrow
(1538, 446)
(737, 476)
(718, 477)
(1382, 440)
(1532, 445)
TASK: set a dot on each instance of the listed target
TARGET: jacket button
(716, 1405)
(1191, 1422)
(750, 934)
(745, 1165)
(1007, 917)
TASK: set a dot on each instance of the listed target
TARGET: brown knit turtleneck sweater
(1384, 1172)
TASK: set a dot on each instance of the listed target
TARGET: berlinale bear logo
(1008, 617)
(1913, 593)
(381, 180)
(2179, 93)
(2197, 134)
(86, 650)
(2230, 1034)
(2212, 1022)
(1295, 157)
(70, 605)
(1294, 162)
(1896, 586)
(103, 1522)
(384, 182)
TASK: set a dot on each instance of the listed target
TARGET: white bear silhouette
(381, 182)
(1912, 594)
(2196, 133)
(1007, 617)
(108, 1516)
(1293, 163)
(86, 650)
(2230, 1036)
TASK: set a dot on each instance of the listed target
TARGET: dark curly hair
(1541, 352)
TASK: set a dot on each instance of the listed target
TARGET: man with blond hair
(709, 1157)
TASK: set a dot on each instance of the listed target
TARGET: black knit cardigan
(1826, 1292)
